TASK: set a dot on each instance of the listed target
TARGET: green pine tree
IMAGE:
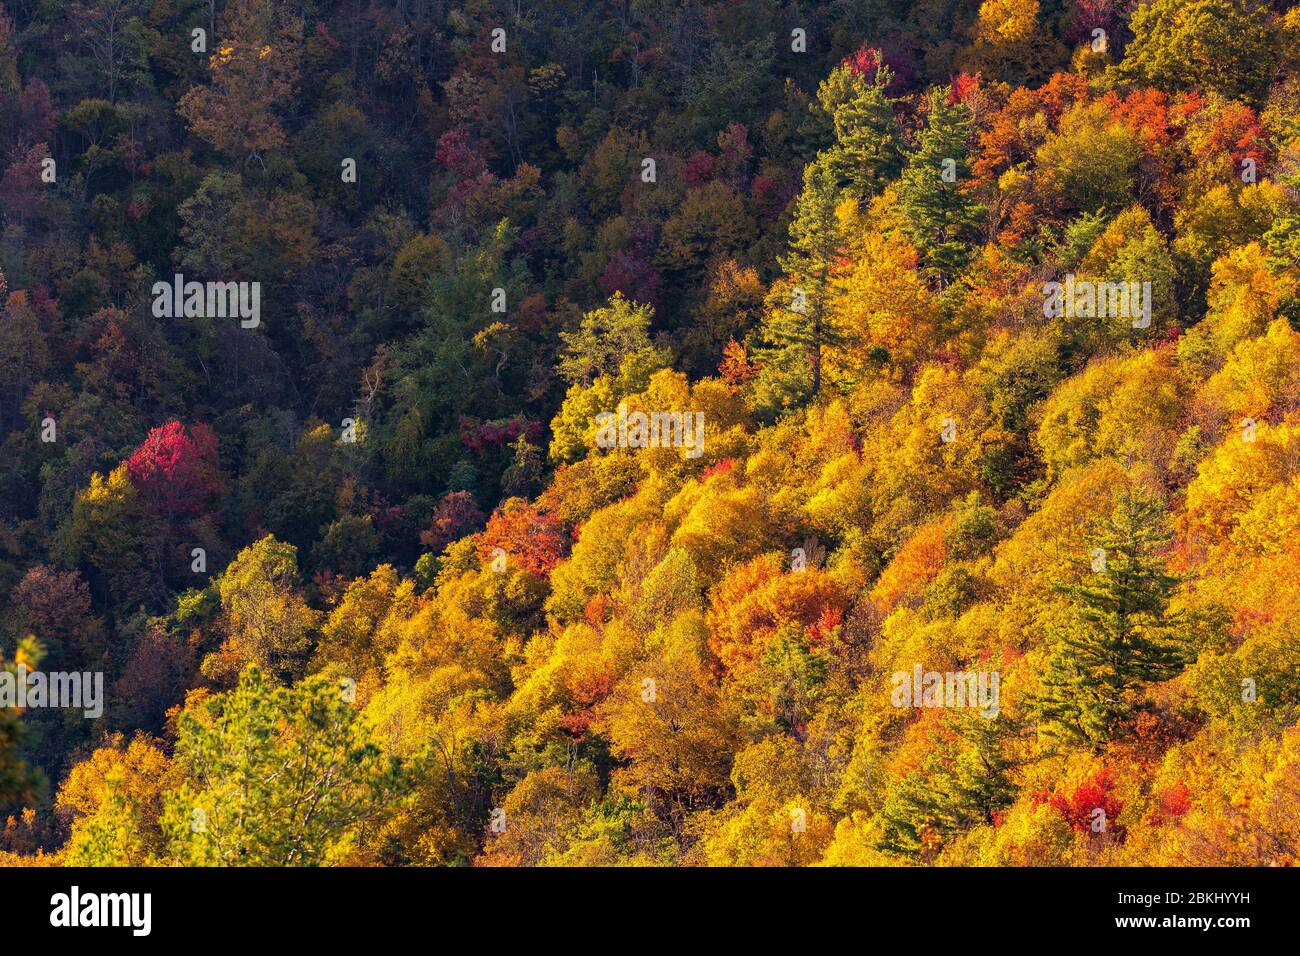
(606, 337)
(797, 329)
(277, 776)
(16, 778)
(866, 152)
(1120, 635)
(1283, 238)
(980, 782)
(20, 783)
(960, 785)
(940, 217)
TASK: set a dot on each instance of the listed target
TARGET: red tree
(1238, 133)
(865, 62)
(963, 85)
(533, 538)
(176, 472)
(1080, 805)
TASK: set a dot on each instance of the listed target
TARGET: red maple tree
(176, 471)
(535, 539)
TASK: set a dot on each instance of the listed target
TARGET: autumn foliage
(660, 444)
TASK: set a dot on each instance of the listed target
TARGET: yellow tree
(266, 619)
(884, 308)
(254, 73)
(674, 729)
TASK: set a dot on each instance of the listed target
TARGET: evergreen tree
(280, 776)
(16, 779)
(1283, 238)
(980, 783)
(940, 217)
(1121, 635)
(865, 154)
(915, 821)
(797, 328)
(960, 785)
(19, 783)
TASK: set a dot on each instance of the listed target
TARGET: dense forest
(651, 432)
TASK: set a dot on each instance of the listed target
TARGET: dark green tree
(1120, 635)
(798, 327)
(16, 778)
(962, 783)
(523, 477)
(866, 154)
(940, 218)
(19, 783)
(1283, 238)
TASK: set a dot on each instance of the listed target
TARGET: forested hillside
(729, 432)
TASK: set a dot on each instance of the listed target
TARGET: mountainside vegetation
(415, 566)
